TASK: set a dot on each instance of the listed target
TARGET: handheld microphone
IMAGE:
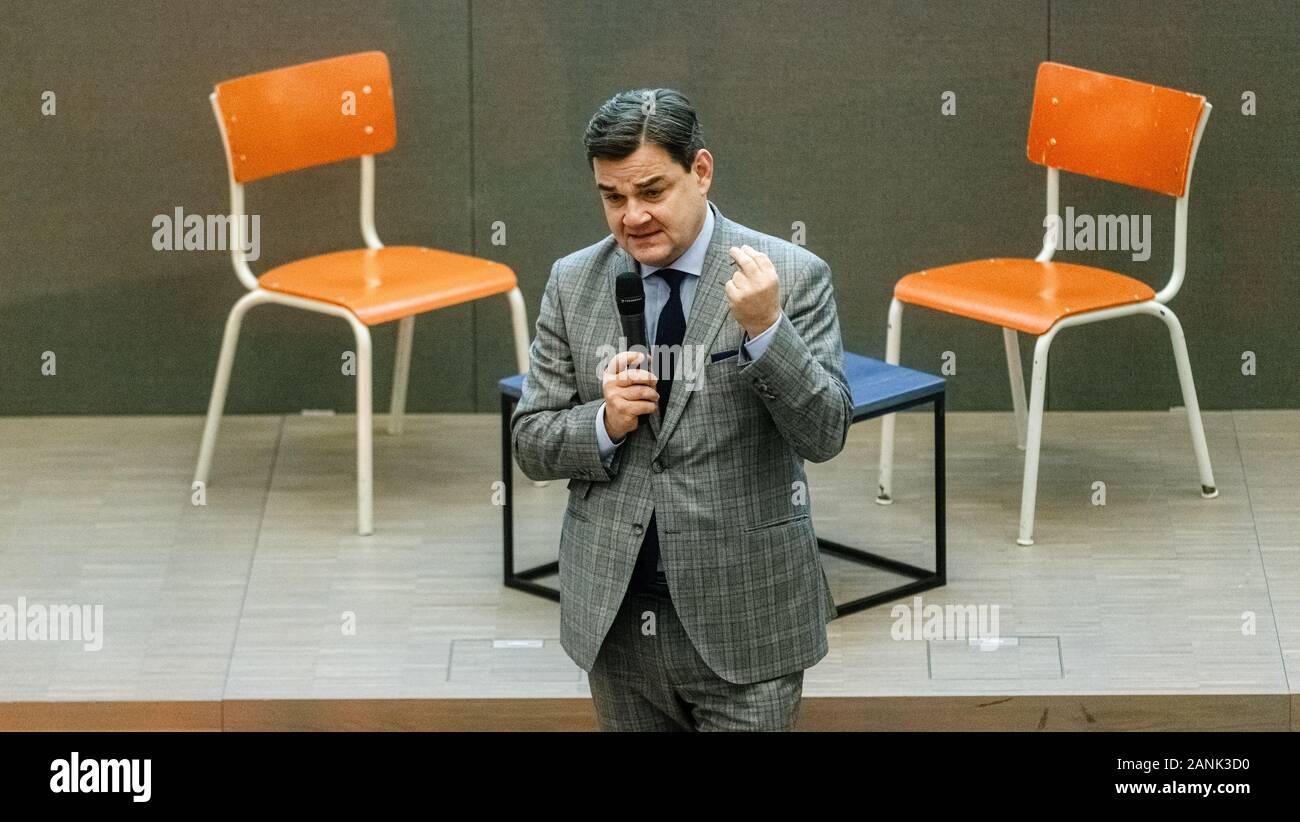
(629, 293)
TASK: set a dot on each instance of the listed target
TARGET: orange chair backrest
(1114, 129)
(307, 115)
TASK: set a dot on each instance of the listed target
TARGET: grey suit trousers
(649, 677)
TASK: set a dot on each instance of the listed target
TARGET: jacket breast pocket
(720, 375)
(778, 523)
(725, 406)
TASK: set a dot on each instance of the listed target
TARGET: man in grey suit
(691, 584)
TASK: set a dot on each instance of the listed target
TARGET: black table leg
(519, 580)
(923, 578)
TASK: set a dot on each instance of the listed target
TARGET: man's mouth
(643, 236)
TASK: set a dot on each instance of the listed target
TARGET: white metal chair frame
(1029, 427)
(402, 363)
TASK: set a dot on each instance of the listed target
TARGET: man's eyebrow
(658, 178)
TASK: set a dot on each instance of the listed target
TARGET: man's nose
(635, 215)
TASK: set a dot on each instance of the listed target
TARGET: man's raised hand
(754, 291)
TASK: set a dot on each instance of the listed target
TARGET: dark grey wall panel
(1241, 292)
(138, 330)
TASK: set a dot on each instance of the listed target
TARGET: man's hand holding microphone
(629, 392)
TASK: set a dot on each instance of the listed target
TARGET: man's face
(654, 207)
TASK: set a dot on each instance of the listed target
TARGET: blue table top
(512, 386)
(876, 385)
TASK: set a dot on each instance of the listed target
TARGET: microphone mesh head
(629, 292)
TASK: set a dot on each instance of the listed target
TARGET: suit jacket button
(636, 529)
(658, 466)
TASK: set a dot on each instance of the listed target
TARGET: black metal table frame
(922, 579)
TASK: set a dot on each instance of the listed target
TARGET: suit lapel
(708, 310)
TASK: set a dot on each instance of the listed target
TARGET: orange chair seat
(389, 283)
(1021, 294)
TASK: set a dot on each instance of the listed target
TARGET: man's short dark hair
(659, 116)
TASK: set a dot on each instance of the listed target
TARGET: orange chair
(308, 115)
(1100, 126)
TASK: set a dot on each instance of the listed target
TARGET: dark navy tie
(669, 331)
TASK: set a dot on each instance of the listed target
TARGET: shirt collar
(692, 260)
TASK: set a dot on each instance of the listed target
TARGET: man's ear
(702, 168)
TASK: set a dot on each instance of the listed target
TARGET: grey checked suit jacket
(735, 531)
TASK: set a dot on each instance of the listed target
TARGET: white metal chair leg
(893, 340)
(519, 326)
(1034, 438)
(401, 374)
(221, 382)
(1010, 341)
(365, 444)
(1208, 489)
